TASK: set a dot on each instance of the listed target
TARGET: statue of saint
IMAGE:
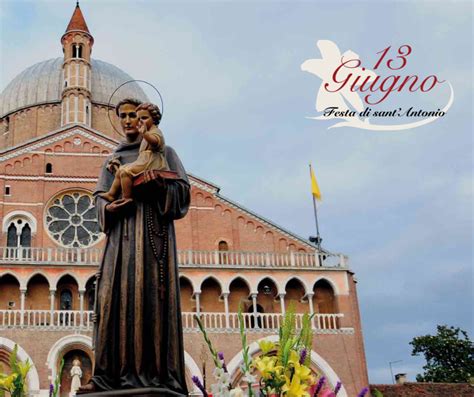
(138, 338)
(76, 375)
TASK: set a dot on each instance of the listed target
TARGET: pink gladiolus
(326, 393)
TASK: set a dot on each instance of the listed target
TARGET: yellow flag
(314, 185)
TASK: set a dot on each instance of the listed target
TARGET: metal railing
(186, 258)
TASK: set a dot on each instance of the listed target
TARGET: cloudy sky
(236, 107)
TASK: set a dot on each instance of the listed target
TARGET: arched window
(324, 298)
(223, 255)
(19, 227)
(49, 168)
(77, 50)
(91, 299)
(12, 238)
(25, 236)
(65, 300)
(65, 303)
(90, 293)
(223, 246)
(19, 234)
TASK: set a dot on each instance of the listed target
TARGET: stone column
(282, 302)
(22, 306)
(198, 303)
(81, 307)
(225, 295)
(255, 312)
(52, 294)
(310, 295)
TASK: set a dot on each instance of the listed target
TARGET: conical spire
(77, 21)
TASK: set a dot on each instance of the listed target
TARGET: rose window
(71, 220)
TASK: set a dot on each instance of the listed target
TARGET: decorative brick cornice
(13, 152)
(48, 178)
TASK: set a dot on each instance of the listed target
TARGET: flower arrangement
(15, 383)
(282, 369)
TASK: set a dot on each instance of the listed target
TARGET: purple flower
(303, 355)
(320, 385)
(338, 387)
(221, 357)
(51, 390)
(363, 392)
(199, 385)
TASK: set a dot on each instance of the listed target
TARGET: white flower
(218, 390)
(225, 378)
(249, 378)
(237, 392)
(221, 387)
(218, 372)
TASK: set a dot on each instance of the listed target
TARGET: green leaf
(377, 393)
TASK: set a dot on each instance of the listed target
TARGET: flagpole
(316, 216)
(317, 225)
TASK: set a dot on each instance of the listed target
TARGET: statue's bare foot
(107, 196)
(89, 388)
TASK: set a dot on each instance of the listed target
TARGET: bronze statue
(138, 338)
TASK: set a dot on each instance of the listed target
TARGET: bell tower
(77, 45)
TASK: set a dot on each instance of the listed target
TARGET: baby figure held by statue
(151, 155)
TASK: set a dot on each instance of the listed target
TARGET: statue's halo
(109, 106)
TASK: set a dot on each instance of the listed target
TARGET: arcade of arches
(41, 294)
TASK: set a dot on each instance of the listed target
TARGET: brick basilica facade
(54, 137)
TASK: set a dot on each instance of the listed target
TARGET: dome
(42, 83)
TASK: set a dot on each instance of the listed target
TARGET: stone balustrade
(50, 256)
(76, 320)
(186, 258)
(257, 322)
(46, 319)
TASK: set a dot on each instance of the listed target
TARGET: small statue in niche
(76, 375)
(150, 156)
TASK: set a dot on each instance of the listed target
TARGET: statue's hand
(142, 128)
(112, 207)
(109, 207)
(113, 165)
(118, 206)
(94, 317)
